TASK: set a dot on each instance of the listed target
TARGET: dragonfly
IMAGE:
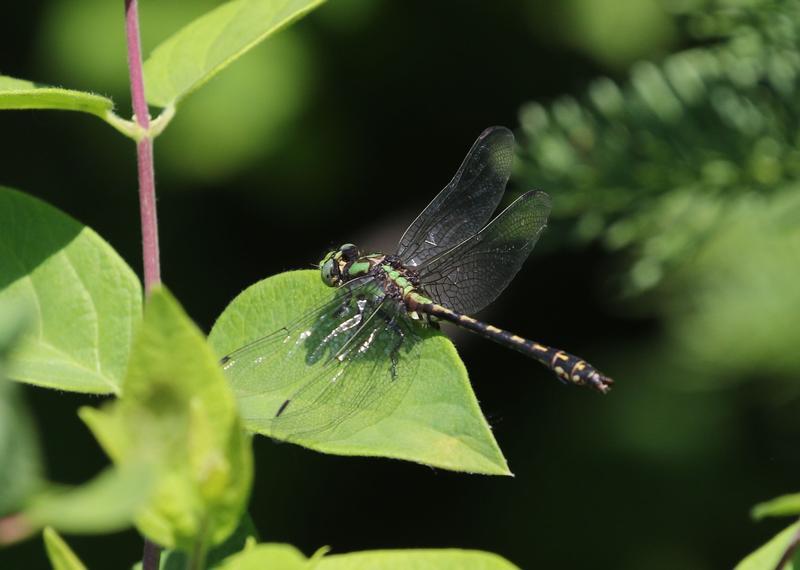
(349, 360)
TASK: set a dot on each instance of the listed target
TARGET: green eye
(329, 270)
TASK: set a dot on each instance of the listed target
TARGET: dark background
(342, 129)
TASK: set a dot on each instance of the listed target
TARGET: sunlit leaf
(108, 503)
(207, 45)
(437, 422)
(768, 556)
(263, 556)
(782, 506)
(22, 94)
(60, 554)
(178, 415)
(444, 559)
(84, 298)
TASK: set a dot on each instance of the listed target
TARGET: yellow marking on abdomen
(580, 365)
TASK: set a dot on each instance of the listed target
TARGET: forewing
(464, 206)
(329, 374)
(475, 272)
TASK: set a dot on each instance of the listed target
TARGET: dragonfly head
(334, 265)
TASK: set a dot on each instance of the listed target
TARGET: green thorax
(361, 266)
(347, 263)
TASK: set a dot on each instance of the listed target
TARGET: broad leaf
(444, 559)
(20, 467)
(437, 422)
(106, 504)
(258, 557)
(207, 45)
(22, 94)
(84, 297)
(782, 506)
(178, 415)
(768, 556)
(60, 554)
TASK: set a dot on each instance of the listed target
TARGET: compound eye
(349, 252)
(329, 270)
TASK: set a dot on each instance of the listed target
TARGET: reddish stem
(144, 149)
(147, 191)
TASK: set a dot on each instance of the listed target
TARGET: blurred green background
(666, 132)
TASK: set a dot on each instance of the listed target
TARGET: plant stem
(151, 556)
(197, 557)
(144, 151)
(147, 191)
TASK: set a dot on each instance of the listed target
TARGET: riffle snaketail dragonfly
(359, 348)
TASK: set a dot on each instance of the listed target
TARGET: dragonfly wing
(464, 206)
(474, 273)
(357, 388)
(328, 374)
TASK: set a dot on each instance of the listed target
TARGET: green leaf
(443, 559)
(21, 464)
(288, 557)
(438, 422)
(108, 503)
(782, 506)
(178, 415)
(207, 45)
(84, 298)
(258, 557)
(60, 555)
(22, 94)
(236, 542)
(768, 556)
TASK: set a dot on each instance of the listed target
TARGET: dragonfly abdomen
(567, 367)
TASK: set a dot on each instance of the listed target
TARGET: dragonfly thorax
(342, 265)
(346, 263)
